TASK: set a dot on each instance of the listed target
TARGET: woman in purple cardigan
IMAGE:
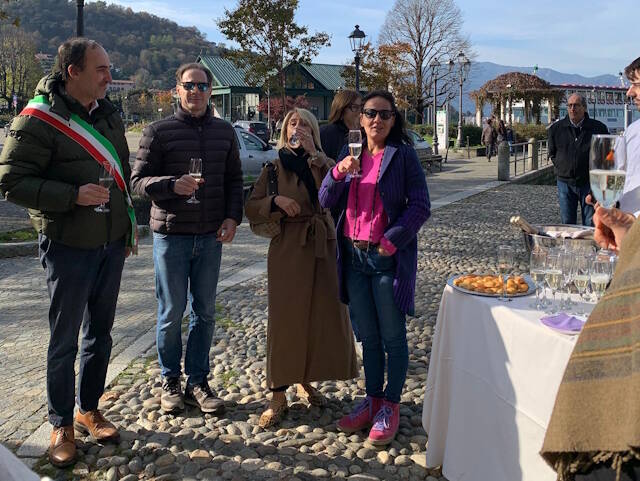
(381, 212)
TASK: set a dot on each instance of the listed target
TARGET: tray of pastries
(490, 285)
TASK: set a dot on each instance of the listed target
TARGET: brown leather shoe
(62, 448)
(94, 423)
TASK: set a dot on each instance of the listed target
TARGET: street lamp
(463, 65)
(79, 18)
(595, 101)
(357, 40)
(625, 101)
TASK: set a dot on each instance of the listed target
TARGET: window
(563, 112)
(251, 142)
(611, 113)
(601, 97)
(602, 112)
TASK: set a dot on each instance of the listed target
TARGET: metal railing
(528, 156)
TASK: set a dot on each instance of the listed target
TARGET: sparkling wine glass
(553, 276)
(195, 171)
(536, 270)
(581, 276)
(607, 168)
(566, 262)
(105, 179)
(506, 257)
(600, 276)
(355, 148)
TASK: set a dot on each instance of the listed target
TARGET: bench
(428, 160)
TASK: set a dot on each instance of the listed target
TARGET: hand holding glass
(105, 179)
(355, 147)
(195, 171)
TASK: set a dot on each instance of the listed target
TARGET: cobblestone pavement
(24, 332)
(461, 237)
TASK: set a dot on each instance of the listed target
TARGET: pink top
(358, 225)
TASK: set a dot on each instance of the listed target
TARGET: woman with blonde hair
(309, 335)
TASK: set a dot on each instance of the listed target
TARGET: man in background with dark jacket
(569, 143)
(81, 250)
(188, 236)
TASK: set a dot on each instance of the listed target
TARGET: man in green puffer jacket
(81, 250)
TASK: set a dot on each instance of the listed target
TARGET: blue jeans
(186, 264)
(568, 197)
(83, 286)
(381, 325)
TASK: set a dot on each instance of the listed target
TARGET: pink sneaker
(362, 416)
(385, 424)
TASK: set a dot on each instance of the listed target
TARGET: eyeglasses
(384, 114)
(574, 106)
(189, 86)
(355, 107)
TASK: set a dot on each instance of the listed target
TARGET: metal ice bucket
(532, 241)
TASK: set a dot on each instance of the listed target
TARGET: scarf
(297, 161)
(596, 417)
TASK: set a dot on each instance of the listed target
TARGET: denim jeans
(186, 265)
(83, 286)
(568, 197)
(381, 325)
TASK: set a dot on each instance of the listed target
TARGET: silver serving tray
(528, 279)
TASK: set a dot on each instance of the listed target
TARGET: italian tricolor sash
(96, 145)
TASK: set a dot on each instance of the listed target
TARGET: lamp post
(463, 65)
(79, 18)
(509, 86)
(357, 40)
(625, 101)
(435, 64)
(595, 101)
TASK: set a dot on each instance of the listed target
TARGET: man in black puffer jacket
(187, 234)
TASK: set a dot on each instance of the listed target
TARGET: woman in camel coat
(309, 336)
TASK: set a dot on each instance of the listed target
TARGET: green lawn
(20, 235)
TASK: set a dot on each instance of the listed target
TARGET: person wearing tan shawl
(594, 431)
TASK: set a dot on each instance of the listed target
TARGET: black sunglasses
(384, 114)
(189, 86)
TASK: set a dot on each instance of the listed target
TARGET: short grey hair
(583, 101)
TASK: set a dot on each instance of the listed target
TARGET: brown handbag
(268, 228)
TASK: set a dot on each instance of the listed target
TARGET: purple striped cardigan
(405, 197)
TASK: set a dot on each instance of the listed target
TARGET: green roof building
(234, 99)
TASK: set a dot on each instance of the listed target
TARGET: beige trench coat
(309, 336)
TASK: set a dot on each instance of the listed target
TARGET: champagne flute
(355, 147)
(566, 263)
(553, 276)
(600, 276)
(607, 168)
(105, 179)
(536, 269)
(581, 275)
(506, 257)
(195, 171)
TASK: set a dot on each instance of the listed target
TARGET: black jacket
(333, 137)
(570, 153)
(165, 151)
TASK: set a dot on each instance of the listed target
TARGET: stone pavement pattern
(24, 331)
(461, 237)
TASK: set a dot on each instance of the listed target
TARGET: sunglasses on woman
(384, 114)
(189, 86)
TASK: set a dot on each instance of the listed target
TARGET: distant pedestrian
(188, 233)
(309, 335)
(501, 132)
(344, 116)
(488, 139)
(52, 165)
(569, 142)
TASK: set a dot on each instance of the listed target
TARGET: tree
(429, 29)
(277, 111)
(19, 69)
(269, 39)
(5, 16)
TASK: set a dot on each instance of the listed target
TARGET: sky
(590, 37)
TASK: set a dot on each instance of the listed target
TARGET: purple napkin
(563, 322)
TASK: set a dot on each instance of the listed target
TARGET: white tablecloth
(493, 377)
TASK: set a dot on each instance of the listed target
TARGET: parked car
(257, 128)
(418, 142)
(253, 153)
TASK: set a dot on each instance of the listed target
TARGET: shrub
(523, 132)
(422, 129)
(468, 130)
